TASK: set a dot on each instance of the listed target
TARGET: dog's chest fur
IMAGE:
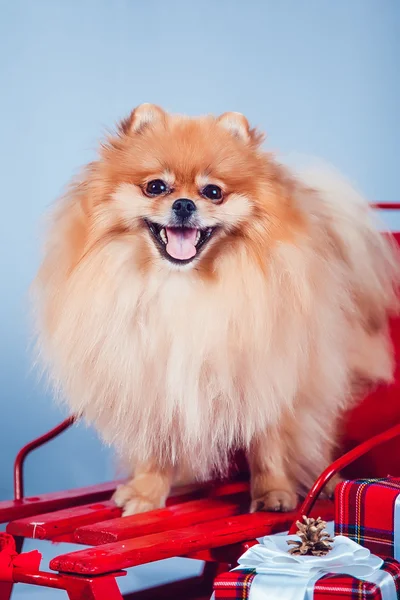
(176, 366)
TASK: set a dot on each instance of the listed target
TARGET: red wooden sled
(208, 522)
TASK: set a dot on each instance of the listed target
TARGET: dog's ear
(239, 127)
(141, 117)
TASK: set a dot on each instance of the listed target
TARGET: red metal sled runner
(209, 522)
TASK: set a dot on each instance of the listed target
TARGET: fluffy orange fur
(256, 343)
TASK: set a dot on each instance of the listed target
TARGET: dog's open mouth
(180, 244)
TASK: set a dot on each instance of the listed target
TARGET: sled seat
(101, 522)
(195, 519)
(176, 541)
(34, 505)
(208, 522)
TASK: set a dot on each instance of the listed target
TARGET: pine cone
(314, 540)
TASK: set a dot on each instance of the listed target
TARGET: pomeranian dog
(197, 297)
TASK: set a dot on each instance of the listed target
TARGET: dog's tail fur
(373, 264)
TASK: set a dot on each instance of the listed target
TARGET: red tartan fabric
(344, 586)
(237, 584)
(364, 512)
(234, 584)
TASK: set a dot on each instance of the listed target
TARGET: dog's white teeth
(198, 235)
(163, 236)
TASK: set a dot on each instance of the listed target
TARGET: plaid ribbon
(237, 584)
(365, 512)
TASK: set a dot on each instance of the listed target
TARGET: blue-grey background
(321, 77)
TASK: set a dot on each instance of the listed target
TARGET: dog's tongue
(181, 242)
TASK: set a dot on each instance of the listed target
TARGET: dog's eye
(213, 192)
(156, 187)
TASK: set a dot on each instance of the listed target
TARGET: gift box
(238, 584)
(268, 572)
(368, 512)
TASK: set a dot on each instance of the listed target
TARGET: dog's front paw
(275, 501)
(132, 503)
(139, 504)
(123, 494)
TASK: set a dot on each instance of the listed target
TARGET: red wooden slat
(179, 542)
(229, 488)
(15, 509)
(58, 523)
(54, 524)
(157, 521)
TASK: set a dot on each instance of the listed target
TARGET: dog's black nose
(183, 208)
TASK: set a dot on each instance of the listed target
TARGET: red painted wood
(195, 588)
(179, 542)
(100, 589)
(105, 587)
(15, 509)
(229, 488)
(60, 525)
(77, 588)
(157, 521)
(55, 524)
(228, 554)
